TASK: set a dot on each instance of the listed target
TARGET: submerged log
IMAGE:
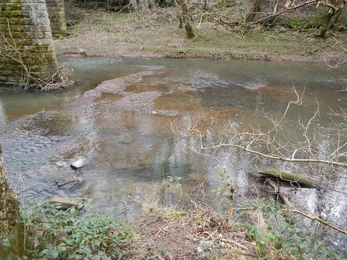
(290, 178)
(67, 180)
(66, 203)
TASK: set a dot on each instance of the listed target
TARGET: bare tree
(335, 9)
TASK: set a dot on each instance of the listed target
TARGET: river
(136, 121)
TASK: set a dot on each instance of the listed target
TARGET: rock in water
(79, 163)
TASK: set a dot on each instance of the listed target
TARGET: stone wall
(26, 42)
(56, 13)
(9, 213)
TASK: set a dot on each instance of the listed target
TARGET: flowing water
(133, 119)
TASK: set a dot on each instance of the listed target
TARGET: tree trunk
(186, 20)
(11, 234)
(331, 18)
(256, 9)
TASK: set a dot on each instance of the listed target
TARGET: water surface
(133, 119)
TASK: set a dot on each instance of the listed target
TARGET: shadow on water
(133, 119)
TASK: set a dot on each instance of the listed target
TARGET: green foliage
(316, 21)
(226, 189)
(172, 180)
(105, 23)
(288, 21)
(57, 234)
(5, 242)
(278, 232)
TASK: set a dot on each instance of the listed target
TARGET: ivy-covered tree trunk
(186, 20)
(11, 234)
(332, 16)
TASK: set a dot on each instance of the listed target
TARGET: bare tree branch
(315, 218)
(291, 207)
(271, 142)
(272, 157)
(285, 11)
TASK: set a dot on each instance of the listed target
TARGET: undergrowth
(280, 234)
(57, 234)
(257, 229)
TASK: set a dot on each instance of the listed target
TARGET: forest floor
(156, 33)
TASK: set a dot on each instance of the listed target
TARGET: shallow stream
(133, 119)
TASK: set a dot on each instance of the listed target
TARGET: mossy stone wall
(9, 213)
(26, 42)
(56, 13)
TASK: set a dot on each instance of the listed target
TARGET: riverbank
(156, 33)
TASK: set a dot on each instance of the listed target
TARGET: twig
(314, 217)
(211, 235)
(220, 20)
(159, 232)
(121, 10)
(285, 11)
(293, 209)
(235, 243)
(268, 156)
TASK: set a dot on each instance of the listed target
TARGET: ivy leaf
(54, 254)
(261, 247)
(6, 243)
(9, 257)
(221, 174)
(278, 245)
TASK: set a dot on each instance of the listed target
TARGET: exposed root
(58, 80)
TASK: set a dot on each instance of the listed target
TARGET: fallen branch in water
(272, 142)
(291, 207)
(274, 157)
(315, 218)
(293, 179)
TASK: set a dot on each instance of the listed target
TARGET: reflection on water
(135, 128)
